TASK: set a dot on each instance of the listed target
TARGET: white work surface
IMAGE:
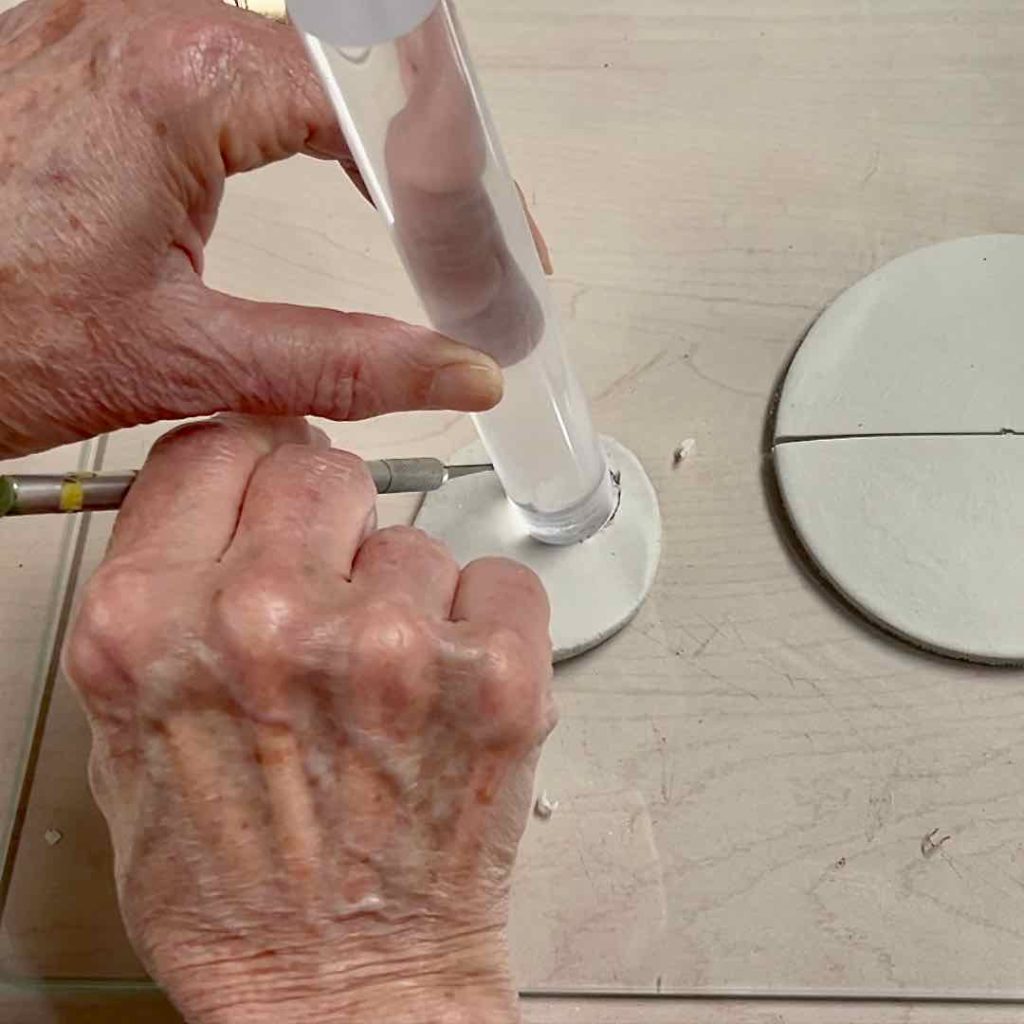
(746, 775)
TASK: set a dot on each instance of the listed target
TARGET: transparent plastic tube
(416, 123)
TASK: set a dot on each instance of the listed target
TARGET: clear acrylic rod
(419, 130)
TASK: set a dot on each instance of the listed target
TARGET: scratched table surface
(760, 798)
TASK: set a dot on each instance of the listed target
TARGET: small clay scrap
(544, 806)
(930, 845)
(53, 836)
(682, 452)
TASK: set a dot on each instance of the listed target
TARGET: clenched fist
(314, 742)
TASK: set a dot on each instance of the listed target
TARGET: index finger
(184, 504)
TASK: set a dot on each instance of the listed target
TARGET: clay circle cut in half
(898, 446)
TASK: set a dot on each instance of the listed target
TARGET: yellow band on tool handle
(72, 493)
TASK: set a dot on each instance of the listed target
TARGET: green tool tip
(8, 495)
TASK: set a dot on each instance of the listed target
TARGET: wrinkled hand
(119, 122)
(314, 743)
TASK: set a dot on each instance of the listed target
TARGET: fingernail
(538, 238)
(468, 387)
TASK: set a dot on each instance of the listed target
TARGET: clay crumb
(930, 845)
(682, 452)
(841, 863)
(544, 806)
(53, 836)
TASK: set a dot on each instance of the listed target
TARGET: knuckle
(519, 581)
(116, 603)
(354, 388)
(516, 571)
(195, 54)
(406, 536)
(317, 467)
(262, 614)
(511, 682)
(219, 436)
(346, 465)
(389, 684)
(85, 662)
(386, 634)
(118, 632)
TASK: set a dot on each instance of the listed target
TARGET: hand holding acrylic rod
(33, 494)
(401, 81)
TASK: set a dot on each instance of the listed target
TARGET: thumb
(277, 359)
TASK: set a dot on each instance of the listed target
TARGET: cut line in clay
(898, 446)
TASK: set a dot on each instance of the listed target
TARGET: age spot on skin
(64, 18)
(99, 63)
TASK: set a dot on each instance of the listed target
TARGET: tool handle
(72, 492)
(29, 494)
(401, 476)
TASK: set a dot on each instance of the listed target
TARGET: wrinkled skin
(119, 122)
(314, 742)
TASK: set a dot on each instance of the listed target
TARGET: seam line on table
(127, 987)
(783, 996)
(79, 530)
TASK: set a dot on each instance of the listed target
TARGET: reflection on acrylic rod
(420, 133)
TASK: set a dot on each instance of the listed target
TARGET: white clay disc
(595, 587)
(897, 452)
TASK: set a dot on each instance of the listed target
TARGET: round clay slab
(896, 447)
(595, 587)
(923, 534)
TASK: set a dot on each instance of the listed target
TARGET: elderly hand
(314, 742)
(119, 122)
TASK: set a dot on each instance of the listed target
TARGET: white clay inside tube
(420, 134)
